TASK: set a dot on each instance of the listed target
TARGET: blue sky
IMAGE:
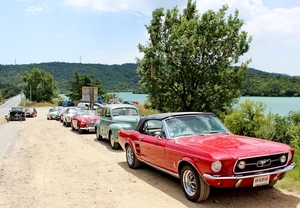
(108, 31)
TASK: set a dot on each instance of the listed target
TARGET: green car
(113, 118)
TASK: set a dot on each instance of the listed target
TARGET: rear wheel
(194, 187)
(113, 144)
(131, 159)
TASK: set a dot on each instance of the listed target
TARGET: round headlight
(242, 164)
(216, 166)
(283, 159)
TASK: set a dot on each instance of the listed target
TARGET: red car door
(152, 149)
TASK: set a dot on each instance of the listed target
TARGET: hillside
(125, 78)
(112, 77)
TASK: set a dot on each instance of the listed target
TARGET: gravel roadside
(49, 165)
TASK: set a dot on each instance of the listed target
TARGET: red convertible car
(84, 120)
(199, 150)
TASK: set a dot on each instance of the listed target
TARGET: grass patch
(144, 111)
(28, 103)
(291, 181)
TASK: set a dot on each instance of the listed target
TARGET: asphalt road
(14, 101)
(8, 131)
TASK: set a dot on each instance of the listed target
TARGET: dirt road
(49, 165)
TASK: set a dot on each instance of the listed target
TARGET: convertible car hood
(88, 118)
(235, 146)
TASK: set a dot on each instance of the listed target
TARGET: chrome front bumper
(284, 170)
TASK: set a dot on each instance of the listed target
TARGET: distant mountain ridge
(124, 77)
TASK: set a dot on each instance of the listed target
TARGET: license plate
(91, 130)
(261, 181)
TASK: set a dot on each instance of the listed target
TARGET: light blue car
(114, 117)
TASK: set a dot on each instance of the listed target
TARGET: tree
(187, 61)
(248, 118)
(75, 90)
(39, 85)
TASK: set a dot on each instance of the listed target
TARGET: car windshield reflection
(194, 125)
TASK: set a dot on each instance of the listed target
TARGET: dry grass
(28, 103)
(145, 111)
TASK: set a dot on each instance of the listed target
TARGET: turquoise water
(280, 105)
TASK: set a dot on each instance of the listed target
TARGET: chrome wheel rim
(129, 155)
(189, 182)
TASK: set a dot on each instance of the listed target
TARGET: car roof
(161, 116)
(119, 105)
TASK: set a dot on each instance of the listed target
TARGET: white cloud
(34, 10)
(142, 6)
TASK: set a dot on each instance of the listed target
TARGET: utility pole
(80, 58)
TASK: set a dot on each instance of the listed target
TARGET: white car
(86, 106)
(52, 113)
(67, 116)
(83, 105)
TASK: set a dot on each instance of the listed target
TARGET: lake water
(280, 105)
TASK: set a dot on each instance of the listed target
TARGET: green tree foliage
(75, 90)
(247, 118)
(9, 90)
(114, 77)
(250, 119)
(121, 78)
(270, 85)
(186, 63)
(39, 85)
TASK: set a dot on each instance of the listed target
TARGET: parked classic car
(30, 112)
(86, 106)
(199, 150)
(51, 115)
(114, 117)
(16, 114)
(67, 103)
(84, 121)
(59, 114)
(68, 114)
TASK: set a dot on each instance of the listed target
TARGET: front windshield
(125, 111)
(194, 125)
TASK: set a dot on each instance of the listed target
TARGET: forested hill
(125, 78)
(113, 77)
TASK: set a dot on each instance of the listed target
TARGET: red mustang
(84, 120)
(197, 148)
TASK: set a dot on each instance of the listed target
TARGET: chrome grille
(261, 163)
(91, 124)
